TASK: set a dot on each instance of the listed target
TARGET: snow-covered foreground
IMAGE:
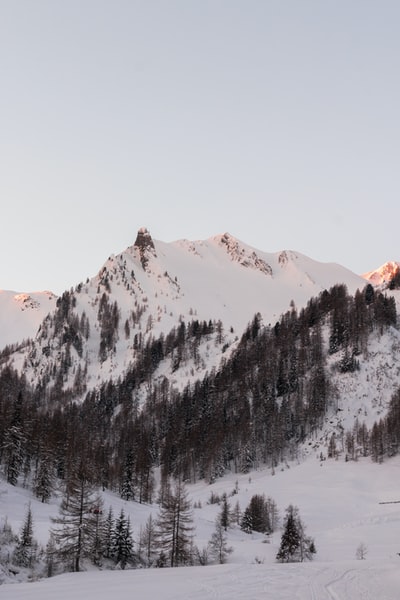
(312, 581)
(340, 504)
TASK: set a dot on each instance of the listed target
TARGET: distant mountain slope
(383, 274)
(21, 314)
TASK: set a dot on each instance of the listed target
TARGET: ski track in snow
(307, 581)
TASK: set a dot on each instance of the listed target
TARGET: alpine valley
(196, 371)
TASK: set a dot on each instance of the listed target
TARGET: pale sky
(274, 120)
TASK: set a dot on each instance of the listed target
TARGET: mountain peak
(383, 274)
(144, 239)
(145, 245)
(243, 254)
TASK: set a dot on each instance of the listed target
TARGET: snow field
(339, 503)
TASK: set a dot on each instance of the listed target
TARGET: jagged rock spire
(144, 239)
(144, 244)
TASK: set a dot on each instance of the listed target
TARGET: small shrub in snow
(361, 551)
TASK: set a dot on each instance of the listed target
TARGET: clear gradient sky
(275, 120)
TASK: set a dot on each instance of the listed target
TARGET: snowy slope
(340, 504)
(22, 313)
(365, 394)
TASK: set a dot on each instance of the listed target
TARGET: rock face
(145, 246)
(384, 274)
(243, 256)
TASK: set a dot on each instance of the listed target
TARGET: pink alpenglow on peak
(383, 274)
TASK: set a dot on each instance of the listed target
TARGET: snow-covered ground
(354, 580)
(340, 503)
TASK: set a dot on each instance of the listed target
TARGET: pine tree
(246, 523)
(75, 529)
(225, 514)
(13, 453)
(236, 513)
(43, 484)
(122, 546)
(108, 532)
(260, 515)
(289, 549)
(98, 545)
(219, 549)
(128, 487)
(175, 526)
(25, 551)
(295, 545)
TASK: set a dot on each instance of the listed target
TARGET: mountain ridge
(14, 327)
(153, 286)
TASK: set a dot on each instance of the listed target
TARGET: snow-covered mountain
(340, 351)
(219, 278)
(383, 274)
(153, 286)
(22, 313)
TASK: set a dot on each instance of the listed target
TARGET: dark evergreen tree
(295, 545)
(99, 542)
(246, 523)
(289, 550)
(260, 515)
(369, 294)
(13, 453)
(122, 544)
(236, 513)
(225, 514)
(128, 483)
(108, 531)
(394, 283)
(26, 549)
(43, 483)
(175, 526)
(75, 527)
(377, 441)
